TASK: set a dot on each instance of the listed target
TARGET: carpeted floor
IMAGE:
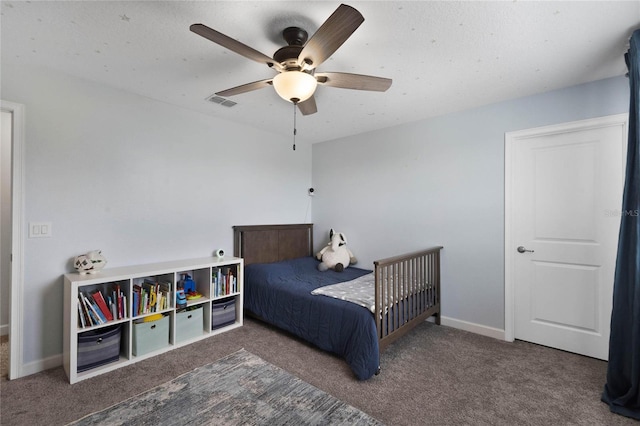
(240, 389)
(435, 375)
(4, 356)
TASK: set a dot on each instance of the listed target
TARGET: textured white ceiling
(442, 56)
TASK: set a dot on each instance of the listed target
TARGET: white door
(563, 200)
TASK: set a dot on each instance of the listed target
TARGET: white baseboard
(483, 330)
(39, 365)
(4, 330)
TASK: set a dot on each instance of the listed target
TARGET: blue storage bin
(98, 347)
(223, 312)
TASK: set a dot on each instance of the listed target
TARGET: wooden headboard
(272, 243)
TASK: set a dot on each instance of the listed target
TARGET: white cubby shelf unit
(185, 324)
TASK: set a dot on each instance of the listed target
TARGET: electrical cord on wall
(306, 213)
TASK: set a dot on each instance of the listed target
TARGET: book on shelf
(81, 318)
(115, 303)
(96, 310)
(119, 304)
(85, 319)
(92, 312)
(112, 307)
(136, 301)
(102, 304)
(99, 306)
(224, 282)
(215, 278)
(123, 309)
(151, 297)
(164, 300)
(92, 318)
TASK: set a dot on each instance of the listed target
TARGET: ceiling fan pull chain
(295, 106)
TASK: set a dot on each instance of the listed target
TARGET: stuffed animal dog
(335, 255)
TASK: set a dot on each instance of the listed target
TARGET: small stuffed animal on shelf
(335, 255)
(89, 263)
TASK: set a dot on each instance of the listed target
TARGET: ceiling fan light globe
(295, 86)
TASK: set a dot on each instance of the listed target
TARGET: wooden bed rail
(407, 293)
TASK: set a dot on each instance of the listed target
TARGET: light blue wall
(141, 180)
(146, 182)
(441, 182)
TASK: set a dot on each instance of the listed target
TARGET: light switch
(39, 229)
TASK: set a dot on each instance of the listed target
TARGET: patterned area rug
(240, 389)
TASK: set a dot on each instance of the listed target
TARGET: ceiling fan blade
(246, 88)
(330, 36)
(353, 81)
(233, 45)
(308, 107)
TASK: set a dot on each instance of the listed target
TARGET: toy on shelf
(189, 287)
(89, 263)
(181, 299)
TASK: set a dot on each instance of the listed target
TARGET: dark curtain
(622, 390)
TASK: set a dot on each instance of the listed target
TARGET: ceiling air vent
(221, 101)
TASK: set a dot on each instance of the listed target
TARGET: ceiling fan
(296, 63)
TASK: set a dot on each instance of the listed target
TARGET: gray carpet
(4, 356)
(239, 389)
(435, 375)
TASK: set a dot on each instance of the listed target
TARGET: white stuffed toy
(335, 255)
(90, 262)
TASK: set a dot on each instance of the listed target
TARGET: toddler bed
(281, 273)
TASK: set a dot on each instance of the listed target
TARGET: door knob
(521, 249)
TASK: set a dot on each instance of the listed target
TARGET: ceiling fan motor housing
(288, 55)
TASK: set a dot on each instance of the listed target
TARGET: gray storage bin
(189, 324)
(98, 347)
(223, 312)
(150, 336)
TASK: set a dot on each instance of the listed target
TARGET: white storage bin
(150, 336)
(189, 324)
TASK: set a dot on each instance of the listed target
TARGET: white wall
(441, 182)
(139, 179)
(144, 182)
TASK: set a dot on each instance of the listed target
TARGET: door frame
(510, 139)
(17, 237)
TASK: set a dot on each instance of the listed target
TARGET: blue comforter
(280, 294)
